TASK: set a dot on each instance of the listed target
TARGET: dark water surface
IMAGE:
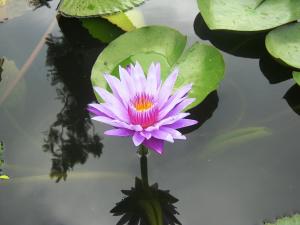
(240, 167)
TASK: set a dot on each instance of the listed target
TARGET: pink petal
(137, 138)
(119, 132)
(154, 144)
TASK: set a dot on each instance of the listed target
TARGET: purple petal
(146, 134)
(137, 138)
(175, 133)
(116, 105)
(116, 123)
(119, 132)
(154, 144)
(163, 135)
(140, 81)
(183, 123)
(127, 81)
(167, 88)
(117, 88)
(153, 78)
(170, 110)
(92, 108)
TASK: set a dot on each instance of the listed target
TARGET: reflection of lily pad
(88, 8)
(288, 220)
(296, 76)
(201, 64)
(250, 15)
(283, 43)
(108, 28)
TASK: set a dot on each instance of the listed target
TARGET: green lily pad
(289, 220)
(249, 15)
(296, 76)
(201, 64)
(88, 8)
(283, 43)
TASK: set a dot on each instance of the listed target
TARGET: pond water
(239, 167)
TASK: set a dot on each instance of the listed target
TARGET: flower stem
(143, 152)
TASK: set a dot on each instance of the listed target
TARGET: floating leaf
(201, 64)
(4, 177)
(250, 15)
(296, 76)
(283, 43)
(288, 220)
(89, 8)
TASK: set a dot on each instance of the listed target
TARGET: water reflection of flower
(144, 107)
(146, 204)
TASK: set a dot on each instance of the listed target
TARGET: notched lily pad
(201, 64)
(88, 8)
(288, 220)
(283, 44)
(250, 15)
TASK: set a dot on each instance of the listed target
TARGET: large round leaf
(86, 8)
(283, 43)
(201, 64)
(248, 15)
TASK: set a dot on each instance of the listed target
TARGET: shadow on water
(203, 112)
(146, 204)
(71, 138)
(292, 98)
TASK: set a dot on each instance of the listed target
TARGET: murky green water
(240, 167)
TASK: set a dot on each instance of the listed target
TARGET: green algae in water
(2, 175)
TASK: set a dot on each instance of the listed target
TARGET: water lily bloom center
(143, 107)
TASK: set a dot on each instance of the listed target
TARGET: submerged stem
(143, 152)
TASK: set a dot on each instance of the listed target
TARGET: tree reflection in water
(39, 3)
(71, 138)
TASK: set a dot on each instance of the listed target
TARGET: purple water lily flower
(143, 107)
